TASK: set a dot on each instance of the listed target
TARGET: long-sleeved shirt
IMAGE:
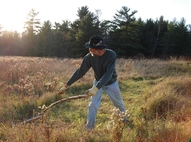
(103, 67)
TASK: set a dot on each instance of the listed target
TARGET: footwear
(88, 128)
(129, 123)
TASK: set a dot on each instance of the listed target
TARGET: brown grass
(157, 94)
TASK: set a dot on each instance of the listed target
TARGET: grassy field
(156, 94)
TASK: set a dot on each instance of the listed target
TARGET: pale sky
(13, 13)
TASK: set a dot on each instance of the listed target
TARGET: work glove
(62, 90)
(92, 91)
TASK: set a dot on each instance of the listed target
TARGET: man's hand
(62, 90)
(92, 91)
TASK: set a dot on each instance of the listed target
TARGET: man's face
(96, 52)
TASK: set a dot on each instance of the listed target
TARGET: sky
(13, 13)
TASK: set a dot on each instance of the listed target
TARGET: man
(102, 61)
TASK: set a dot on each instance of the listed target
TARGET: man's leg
(114, 93)
(92, 109)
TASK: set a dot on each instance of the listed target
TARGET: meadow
(156, 94)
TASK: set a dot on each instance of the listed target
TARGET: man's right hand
(92, 91)
(62, 90)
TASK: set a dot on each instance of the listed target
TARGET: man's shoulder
(111, 52)
(87, 55)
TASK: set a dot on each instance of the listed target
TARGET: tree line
(126, 35)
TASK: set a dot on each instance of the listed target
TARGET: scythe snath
(44, 109)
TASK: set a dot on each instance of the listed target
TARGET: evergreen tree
(32, 26)
(45, 40)
(124, 33)
(10, 43)
(176, 39)
(148, 37)
(62, 39)
(83, 28)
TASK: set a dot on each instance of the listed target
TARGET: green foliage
(86, 26)
(126, 35)
(3, 133)
(45, 41)
(25, 109)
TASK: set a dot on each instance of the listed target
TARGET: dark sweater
(103, 67)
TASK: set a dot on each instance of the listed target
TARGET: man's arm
(81, 71)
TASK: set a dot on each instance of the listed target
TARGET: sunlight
(10, 24)
(12, 15)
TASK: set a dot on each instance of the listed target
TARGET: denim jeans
(114, 93)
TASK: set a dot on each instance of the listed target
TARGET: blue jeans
(114, 93)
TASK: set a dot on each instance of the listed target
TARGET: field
(156, 94)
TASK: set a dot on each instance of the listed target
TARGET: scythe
(44, 109)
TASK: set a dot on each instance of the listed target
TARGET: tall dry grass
(156, 93)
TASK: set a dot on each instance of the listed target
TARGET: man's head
(95, 42)
(96, 46)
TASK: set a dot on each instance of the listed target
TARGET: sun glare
(13, 13)
(12, 16)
